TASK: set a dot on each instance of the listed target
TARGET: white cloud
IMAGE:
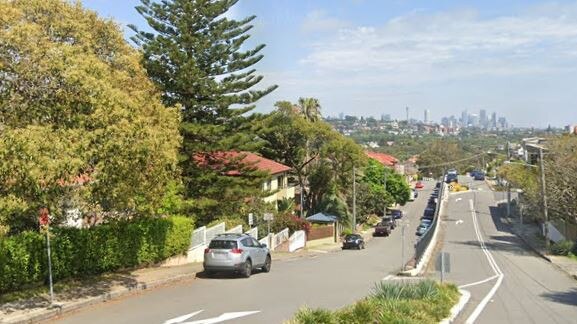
(319, 21)
(421, 47)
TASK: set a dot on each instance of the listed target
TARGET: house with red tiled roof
(276, 184)
(385, 159)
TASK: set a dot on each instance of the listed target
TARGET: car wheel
(363, 246)
(247, 269)
(267, 264)
(208, 273)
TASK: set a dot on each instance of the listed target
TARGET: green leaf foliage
(200, 61)
(81, 122)
(83, 252)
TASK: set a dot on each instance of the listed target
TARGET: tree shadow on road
(568, 297)
(503, 243)
(66, 290)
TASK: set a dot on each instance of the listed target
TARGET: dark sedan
(355, 241)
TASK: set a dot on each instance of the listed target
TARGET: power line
(452, 162)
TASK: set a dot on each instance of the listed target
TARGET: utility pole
(354, 200)
(385, 186)
(508, 199)
(302, 193)
(544, 193)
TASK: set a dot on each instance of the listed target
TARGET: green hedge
(81, 252)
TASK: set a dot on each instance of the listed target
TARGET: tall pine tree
(198, 59)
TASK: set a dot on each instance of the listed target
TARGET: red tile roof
(248, 159)
(385, 159)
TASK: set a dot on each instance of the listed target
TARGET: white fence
(297, 241)
(198, 237)
(279, 238)
(203, 235)
(253, 232)
(212, 232)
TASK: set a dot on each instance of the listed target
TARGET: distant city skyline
(375, 57)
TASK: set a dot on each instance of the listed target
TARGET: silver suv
(240, 253)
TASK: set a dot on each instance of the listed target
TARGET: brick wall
(320, 232)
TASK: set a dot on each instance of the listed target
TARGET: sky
(375, 57)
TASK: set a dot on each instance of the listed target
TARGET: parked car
(390, 220)
(382, 229)
(451, 178)
(353, 241)
(397, 213)
(429, 213)
(239, 253)
(427, 222)
(422, 229)
(479, 175)
(419, 185)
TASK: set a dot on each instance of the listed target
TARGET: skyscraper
(426, 117)
(483, 120)
(464, 118)
(494, 120)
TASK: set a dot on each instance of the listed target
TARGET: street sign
(443, 264)
(268, 216)
(250, 219)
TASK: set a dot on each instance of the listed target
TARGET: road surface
(508, 282)
(329, 280)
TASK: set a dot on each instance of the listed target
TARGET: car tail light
(206, 251)
(236, 251)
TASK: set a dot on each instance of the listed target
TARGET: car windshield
(222, 244)
(351, 237)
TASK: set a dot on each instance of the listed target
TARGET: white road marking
(182, 318)
(478, 282)
(223, 317)
(460, 221)
(493, 264)
(458, 199)
(389, 277)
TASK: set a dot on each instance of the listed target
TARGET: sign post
(268, 217)
(44, 220)
(250, 219)
(443, 264)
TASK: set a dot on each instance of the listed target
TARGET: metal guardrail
(424, 241)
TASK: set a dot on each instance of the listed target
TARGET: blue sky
(373, 57)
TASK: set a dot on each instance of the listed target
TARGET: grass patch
(390, 302)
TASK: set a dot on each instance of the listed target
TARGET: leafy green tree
(375, 197)
(440, 156)
(81, 122)
(560, 175)
(200, 61)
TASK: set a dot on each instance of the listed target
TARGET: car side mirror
(263, 245)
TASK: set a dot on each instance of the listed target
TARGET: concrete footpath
(78, 294)
(531, 234)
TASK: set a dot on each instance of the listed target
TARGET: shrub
(373, 220)
(314, 316)
(423, 302)
(81, 252)
(562, 248)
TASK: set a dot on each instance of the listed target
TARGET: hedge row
(82, 252)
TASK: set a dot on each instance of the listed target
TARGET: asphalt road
(508, 282)
(329, 280)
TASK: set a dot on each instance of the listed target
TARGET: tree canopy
(200, 60)
(81, 122)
